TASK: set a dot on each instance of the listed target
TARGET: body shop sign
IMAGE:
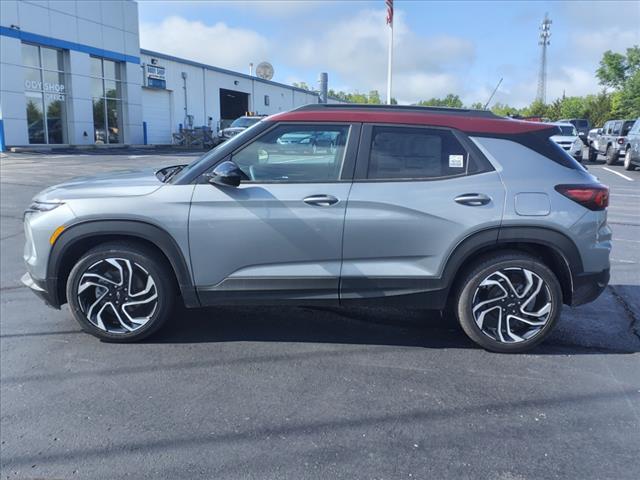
(52, 91)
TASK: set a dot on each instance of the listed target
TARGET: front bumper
(39, 288)
(588, 286)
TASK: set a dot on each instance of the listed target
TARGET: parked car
(613, 139)
(238, 125)
(582, 125)
(456, 210)
(569, 140)
(632, 149)
(592, 143)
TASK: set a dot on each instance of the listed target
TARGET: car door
(278, 235)
(417, 193)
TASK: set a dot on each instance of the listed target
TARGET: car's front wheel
(509, 302)
(627, 160)
(121, 292)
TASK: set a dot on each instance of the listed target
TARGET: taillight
(593, 197)
(621, 140)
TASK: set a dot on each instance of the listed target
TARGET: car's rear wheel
(593, 154)
(121, 292)
(509, 302)
(612, 156)
(627, 160)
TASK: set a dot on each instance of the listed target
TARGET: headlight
(43, 206)
(577, 144)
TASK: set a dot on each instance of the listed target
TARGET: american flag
(389, 12)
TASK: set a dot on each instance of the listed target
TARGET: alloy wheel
(117, 295)
(512, 305)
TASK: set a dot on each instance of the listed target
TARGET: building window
(106, 90)
(266, 100)
(45, 94)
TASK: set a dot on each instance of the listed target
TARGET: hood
(115, 184)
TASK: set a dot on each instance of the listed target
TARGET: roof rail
(412, 108)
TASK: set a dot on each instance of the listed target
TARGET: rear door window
(416, 153)
(617, 127)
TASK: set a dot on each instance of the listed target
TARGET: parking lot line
(618, 173)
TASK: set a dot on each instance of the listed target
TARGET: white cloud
(356, 49)
(218, 44)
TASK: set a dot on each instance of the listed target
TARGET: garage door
(156, 111)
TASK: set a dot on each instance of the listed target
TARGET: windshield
(244, 122)
(567, 130)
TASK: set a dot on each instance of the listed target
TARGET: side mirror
(227, 174)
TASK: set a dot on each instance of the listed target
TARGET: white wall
(203, 91)
(110, 25)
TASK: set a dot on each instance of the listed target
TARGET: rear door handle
(473, 199)
(321, 200)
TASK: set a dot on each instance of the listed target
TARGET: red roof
(466, 123)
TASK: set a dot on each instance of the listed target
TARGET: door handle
(473, 199)
(321, 200)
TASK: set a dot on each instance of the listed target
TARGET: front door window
(295, 153)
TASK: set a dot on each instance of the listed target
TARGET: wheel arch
(553, 248)
(81, 237)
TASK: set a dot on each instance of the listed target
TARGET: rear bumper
(39, 288)
(588, 286)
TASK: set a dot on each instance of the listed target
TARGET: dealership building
(72, 73)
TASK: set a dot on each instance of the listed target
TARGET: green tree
(450, 100)
(504, 110)
(625, 103)
(374, 97)
(616, 68)
(477, 106)
(536, 109)
(302, 85)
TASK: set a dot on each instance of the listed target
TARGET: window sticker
(456, 161)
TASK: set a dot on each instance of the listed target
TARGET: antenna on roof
(492, 94)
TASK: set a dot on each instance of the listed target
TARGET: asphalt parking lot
(313, 393)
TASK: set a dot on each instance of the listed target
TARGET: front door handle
(321, 200)
(473, 199)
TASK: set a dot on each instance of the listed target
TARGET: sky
(440, 47)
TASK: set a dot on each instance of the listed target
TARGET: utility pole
(545, 34)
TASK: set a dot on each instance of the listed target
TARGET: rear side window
(626, 128)
(416, 153)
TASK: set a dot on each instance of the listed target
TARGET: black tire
(612, 156)
(627, 161)
(593, 155)
(144, 261)
(489, 265)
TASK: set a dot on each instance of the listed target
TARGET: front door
(416, 194)
(278, 236)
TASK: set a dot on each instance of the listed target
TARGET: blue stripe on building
(65, 45)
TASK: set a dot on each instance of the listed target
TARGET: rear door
(417, 193)
(278, 236)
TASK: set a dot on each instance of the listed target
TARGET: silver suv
(463, 211)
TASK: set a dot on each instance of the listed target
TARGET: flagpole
(390, 62)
